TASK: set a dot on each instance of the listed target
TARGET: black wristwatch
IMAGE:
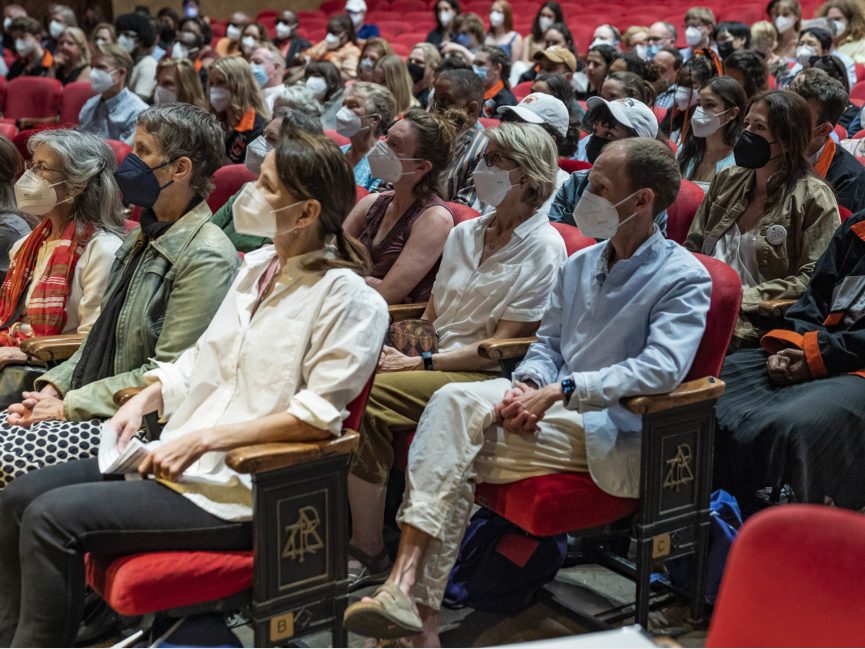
(568, 387)
(427, 360)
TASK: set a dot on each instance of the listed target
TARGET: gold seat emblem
(303, 537)
(679, 471)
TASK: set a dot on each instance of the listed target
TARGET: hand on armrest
(52, 348)
(686, 394)
(260, 458)
(774, 308)
(398, 312)
(505, 348)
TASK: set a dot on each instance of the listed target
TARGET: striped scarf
(46, 312)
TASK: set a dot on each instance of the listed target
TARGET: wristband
(427, 360)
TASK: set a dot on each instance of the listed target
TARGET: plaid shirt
(457, 179)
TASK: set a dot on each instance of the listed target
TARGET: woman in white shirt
(494, 280)
(294, 342)
(58, 273)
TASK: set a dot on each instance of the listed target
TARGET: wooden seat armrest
(260, 458)
(399, 312)
(506, 348)
(774, 308)
(686, 394)
(52, 348)
(124, 395)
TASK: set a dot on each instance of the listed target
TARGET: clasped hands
(36, 406)
(788, 366)
(523, 406)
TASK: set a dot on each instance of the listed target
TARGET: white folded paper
(114, 461)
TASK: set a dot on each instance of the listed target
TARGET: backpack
(500, 568)
(726, 519)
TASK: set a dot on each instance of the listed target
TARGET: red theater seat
(681, 213)
(34, 97)
(227, 181)
(74, 96)
(571, 166)
(120, 149)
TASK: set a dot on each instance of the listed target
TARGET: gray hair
(296, 120)
(534, 151)
(88, 163)
(378, 100)
(299, 98)
(67, 13)
(184, 130)
(651, 164)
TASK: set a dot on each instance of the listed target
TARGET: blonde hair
(378, 100)
(534, 151)
(431, 56)
(189, 89)
(397, 80)
(764, 30)
(854, 12)
(631, 31)
(245, 93)
(77, 35)
(379, 44)
(703, 14)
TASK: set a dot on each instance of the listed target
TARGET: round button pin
(776, 234)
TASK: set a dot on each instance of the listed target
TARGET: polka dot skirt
(45, 443)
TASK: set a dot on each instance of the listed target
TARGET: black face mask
(416, 72)
(594, 147)
(752, 151)
(725, 49)
(167, 34)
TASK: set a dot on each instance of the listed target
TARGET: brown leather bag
(412, 337)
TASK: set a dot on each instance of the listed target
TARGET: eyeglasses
(493, 159)
(39, 168)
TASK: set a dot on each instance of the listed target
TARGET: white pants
(457, 444)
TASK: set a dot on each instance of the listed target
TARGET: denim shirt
(629, 330)
(362, 173)
(112, 119)
(562, 210)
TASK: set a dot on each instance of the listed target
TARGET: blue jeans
(51, 517)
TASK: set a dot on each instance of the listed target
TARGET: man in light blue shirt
(625, 318)
(113, 113)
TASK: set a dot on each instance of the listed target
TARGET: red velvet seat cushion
(554, 504)
(157, 581)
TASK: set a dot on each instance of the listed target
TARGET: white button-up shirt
(309, 349)
(514, 283)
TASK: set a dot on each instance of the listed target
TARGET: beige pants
(458, 444)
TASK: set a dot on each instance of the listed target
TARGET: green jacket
(225, 220)
(809, 215)
(178, 286)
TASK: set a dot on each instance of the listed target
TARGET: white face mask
(348, 122)
(35, 195)
(24, 46)
(126, 43)
(256, 151)
(317, 86)
(164, 96)
(685, 98)
(497, 19)
(55, 28)
(356, 19)
(254, 216)
(597, 217)
(445, 17)
(233, 32)
(385, 164)
(220, 99)
(248, 44)
(704, 123)
(784, 23)
(600, 41)
(840, 27)
(283, 31)
(491, 183)
(693, 36)
(366, 64)
(804, 54)
(101, 81)
(545, 22)
(642, 51)
(332, 41)
(7, 23)
(179, 51)
(101, 41)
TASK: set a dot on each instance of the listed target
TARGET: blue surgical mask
(259, 74)
(480, 71)
(138, 183)
(652, 49)
(463, 39)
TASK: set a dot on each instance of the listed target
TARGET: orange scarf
(826, 157)
(46, 312)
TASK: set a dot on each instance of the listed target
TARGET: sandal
(372, 570)
(390, 614)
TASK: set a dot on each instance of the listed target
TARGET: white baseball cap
(540, 108)
(631, 113)
(356, 6)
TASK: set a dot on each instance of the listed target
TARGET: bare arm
(354, 220)
(420, 253)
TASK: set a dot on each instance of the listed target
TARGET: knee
(18, 496)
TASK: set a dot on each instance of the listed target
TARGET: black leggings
(51, 517)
